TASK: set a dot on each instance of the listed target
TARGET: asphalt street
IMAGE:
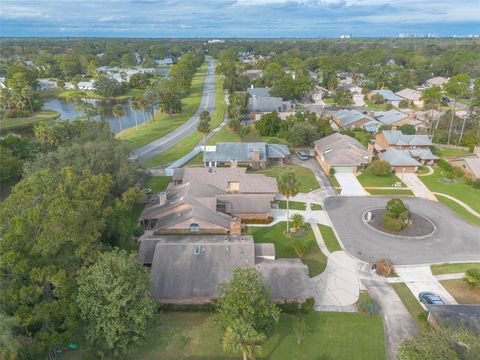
(454, 238)
(207, 102)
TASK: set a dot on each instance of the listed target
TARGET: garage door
(344, 169)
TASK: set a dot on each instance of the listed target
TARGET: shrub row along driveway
(453, 240)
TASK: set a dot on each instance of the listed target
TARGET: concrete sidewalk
(417, 186)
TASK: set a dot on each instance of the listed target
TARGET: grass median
(7, 124)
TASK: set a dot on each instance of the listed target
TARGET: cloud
(112, 18)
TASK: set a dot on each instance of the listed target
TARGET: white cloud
(112, 18)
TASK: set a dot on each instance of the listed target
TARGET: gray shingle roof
(396, 137)
(347, 117)
(339, 149)
(464, 316)
(259, 92)
(242, 152)
(387, 95)
(398, 158)
(389, 117)
(423, 154)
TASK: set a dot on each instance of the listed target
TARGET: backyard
(162, 124)
(458, 189)
(193, 335)
(308, 182)
(461, 292)
(275, 234)
(451, 152)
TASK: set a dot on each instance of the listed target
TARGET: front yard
(453, 268)
(412, 305)
(329, 238)
(308, 181)
(461, 292)
(193, 335)
(458, 189)
(275, 234)
(367, 179)
(390, 192)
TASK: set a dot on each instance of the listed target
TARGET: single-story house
(388, 96)
(466, 316)
(253, 74)
(45, 84)
(166, 61)
(350, 119)
(342, 153)
(188, 269)
(400, 161)
(210, 201)
(260, 102)
(392, 117)
(256, 155)
(414, 97)
(436, 81)
(86, 85)
(469, 164)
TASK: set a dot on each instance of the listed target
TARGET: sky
(237, 18)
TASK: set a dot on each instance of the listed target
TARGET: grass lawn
(315, 207)
(315, 261)
(196, 160)
(193, 335)
(412, 305)
(293, 205)
(459, 210)
(162, 124)
(158, 183)
(308, 181)
(224, 135)
(451, 152)
(183, 147)
(392, 192)
(461, 292)
(19, 123)
(372, 106)
(329, 238)
(453, 268)
(334, 181)
(369, 180)
(459, 189)
(363, 137)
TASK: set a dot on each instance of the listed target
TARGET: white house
(86, 85)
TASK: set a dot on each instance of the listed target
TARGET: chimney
(256, 154)
(235, 227)
(162, 198)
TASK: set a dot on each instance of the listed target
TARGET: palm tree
(203, 126)
(27, 94)
(119, 112)
(298, 221)
(288, 186)
(135, 106)
(143, 105)
(242, 337)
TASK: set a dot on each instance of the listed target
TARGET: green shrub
(397, 215)
(472, 277)
(445, 165)
(379, 168)
(450, 176)
(290, 307)
(392, 224)
(308, 305)
(138, 230)
(476, 184)
(331, 171)
(388, 106)
(468, 181)
(458, 172)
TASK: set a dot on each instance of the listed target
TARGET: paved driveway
(453, 240)
(326, 188)
(416, 185)
(420, 278)
(207, 102)
(397, 322)
(350, 185)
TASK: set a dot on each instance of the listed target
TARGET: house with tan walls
(204, 200)
(414, 97)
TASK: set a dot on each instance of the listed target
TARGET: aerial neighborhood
(226, 198)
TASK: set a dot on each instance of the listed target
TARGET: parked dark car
(430, 298)
(302, 155)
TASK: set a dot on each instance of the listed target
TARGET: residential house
(470, 164)
(436, 81)
(465, 316)
(253, 74)
(414, 97)
(416, 147)
(210, 201)
(260, 102)
(45, 84)
(388, 96)
(350, 119)
(86, 85)
(256, 155)
(188, 269)
(164, 62)
(342, 153)
(392, 118)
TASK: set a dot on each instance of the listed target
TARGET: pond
(67, 110)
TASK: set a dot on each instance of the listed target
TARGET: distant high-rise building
(345, 36)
